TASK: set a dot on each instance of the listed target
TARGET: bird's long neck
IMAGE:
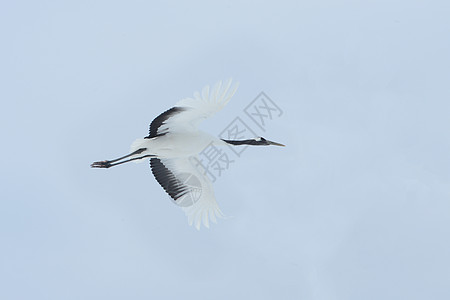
(244, 142)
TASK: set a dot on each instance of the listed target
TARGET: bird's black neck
(244, 142)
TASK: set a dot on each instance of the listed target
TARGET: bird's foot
(101, 164)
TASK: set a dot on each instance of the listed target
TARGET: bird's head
(262, 141)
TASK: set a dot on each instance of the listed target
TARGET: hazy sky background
(357, 206)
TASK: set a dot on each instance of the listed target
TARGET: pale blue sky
(357, 206)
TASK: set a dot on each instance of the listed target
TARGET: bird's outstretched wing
(189, 112)
(185, 180)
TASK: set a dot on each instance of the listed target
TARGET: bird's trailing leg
(115, 162)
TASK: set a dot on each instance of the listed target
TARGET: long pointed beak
(276, 144)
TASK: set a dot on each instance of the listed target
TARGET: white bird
(173, 145)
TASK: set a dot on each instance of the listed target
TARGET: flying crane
(173, 145)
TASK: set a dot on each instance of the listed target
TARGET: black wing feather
(159, 120)
(167, 179)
